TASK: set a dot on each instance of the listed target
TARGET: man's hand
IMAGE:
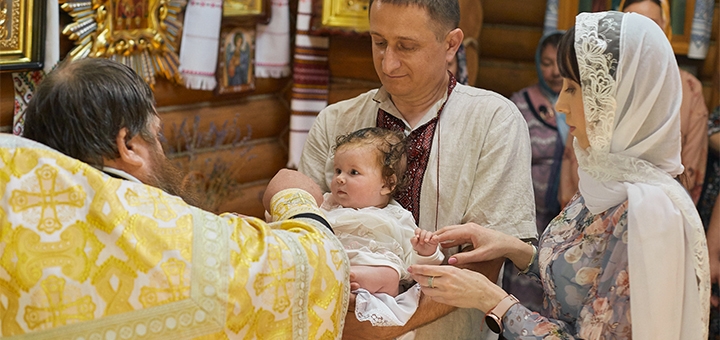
(428, 311)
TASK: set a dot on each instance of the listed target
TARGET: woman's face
(549, 68)
(570, 102)
(649, 9)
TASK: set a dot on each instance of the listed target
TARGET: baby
(380, 236)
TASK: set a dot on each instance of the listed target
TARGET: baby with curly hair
(379, 235)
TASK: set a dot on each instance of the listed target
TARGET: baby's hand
(424, 242)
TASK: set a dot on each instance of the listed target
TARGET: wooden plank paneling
(710, 64)
(506, 77)
(567, 10)
(471, 17)
(7, 100)
(347, 88)
(251, 161)
(520, 12)
(351, 57)
(261, 116)
(509, 42)
(169, 94)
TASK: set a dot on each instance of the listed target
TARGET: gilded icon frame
(252, 10)
(346, 15)
(143, 34)
(22, 34)
(245, 80)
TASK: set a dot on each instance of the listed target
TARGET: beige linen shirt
(480, 161)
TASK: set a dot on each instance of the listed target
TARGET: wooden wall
(261, 117)
(507, 44)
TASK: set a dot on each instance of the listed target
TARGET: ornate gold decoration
(175, 288)
(143, 34)
(155, 199)
(61, 308)
(3, 20)
(20, 33)
(49, 199)
(347, 14)
(244, 8)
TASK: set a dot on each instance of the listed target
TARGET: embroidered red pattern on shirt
(419, 143)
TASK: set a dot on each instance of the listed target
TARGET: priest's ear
(131, 152)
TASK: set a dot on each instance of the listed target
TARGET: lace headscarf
(631, 92)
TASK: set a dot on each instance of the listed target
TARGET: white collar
(121, 174)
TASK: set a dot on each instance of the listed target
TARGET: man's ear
(453, 41)
(389, 185)
(128, 150)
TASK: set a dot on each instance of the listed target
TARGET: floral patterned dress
(583, 265)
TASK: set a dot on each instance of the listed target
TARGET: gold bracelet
(532, 259)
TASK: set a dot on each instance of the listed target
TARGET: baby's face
(358, 182)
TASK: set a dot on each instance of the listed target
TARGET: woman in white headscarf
(627, 257)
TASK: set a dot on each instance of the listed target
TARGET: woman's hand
(457, 287)
(488, 245)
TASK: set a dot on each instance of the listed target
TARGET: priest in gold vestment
(88, 255)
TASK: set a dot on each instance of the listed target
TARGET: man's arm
(427, 312)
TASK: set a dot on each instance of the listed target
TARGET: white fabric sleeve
(435, 258)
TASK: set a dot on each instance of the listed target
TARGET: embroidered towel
(52, 36)
(311, 76)
(199, 45)
(272, 53)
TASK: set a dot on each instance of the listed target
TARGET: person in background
(693, 112)
(709, 209)
(95, 244)
(627, 257)
(548, 133)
